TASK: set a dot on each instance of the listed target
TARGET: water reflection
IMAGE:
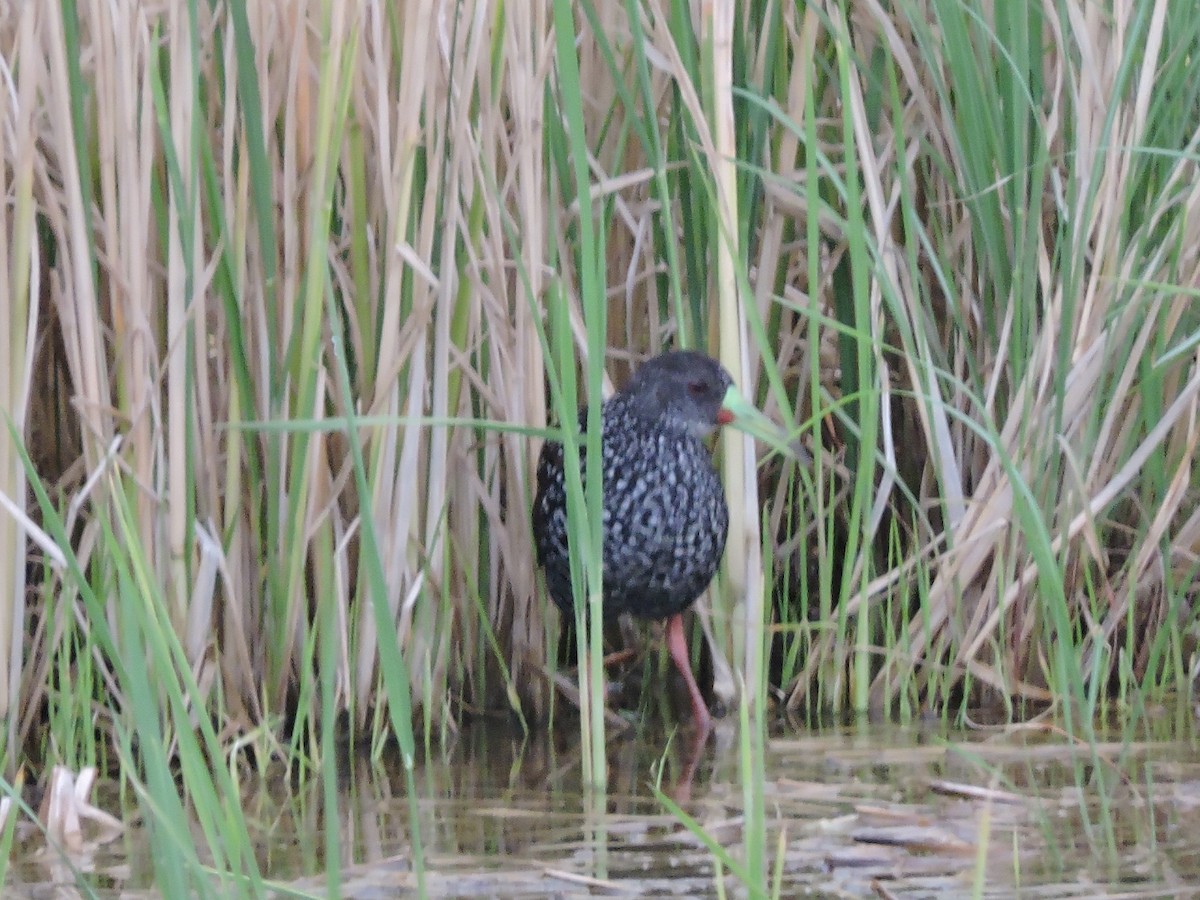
(923, 811)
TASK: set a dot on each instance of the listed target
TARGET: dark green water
(857, 811)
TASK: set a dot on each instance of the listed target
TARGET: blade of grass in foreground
(391, 661)
(340, 43)
(266, 504)
(591, 271)
(164, 718)
(150, 668)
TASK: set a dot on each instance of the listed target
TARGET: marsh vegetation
(295, 290)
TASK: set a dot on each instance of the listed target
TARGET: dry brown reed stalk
(19, 294)
(744, 564)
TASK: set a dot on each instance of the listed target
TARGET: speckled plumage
(665, 516)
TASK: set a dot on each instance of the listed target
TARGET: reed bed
(295, 290)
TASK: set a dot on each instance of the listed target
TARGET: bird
(665, 516)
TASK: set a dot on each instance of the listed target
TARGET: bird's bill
(737, 412)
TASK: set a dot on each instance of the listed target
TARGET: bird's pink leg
(677, 644)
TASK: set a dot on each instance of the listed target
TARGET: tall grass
(293, 291)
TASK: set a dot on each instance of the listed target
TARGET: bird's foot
(570, 690)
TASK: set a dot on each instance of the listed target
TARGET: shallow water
(870, 810)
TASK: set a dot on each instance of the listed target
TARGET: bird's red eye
(697, 388)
